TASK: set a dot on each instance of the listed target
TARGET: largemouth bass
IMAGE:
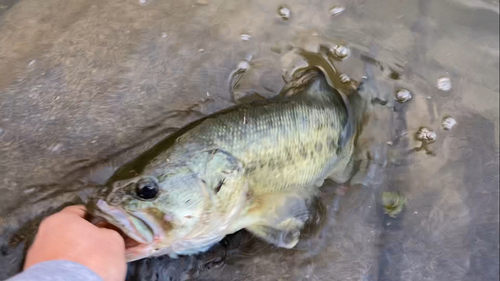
(249, 167)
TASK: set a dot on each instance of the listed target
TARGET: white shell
(336, 10)
(284, 13)
(341, 51)
(344, 78)
(245, 37)
(444, 84)
(403, 95)
(448, 123)
(426, 135)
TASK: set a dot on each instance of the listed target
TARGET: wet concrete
(87, 85)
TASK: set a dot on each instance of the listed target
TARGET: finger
(78, 210)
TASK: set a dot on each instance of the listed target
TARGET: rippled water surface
(87, 85)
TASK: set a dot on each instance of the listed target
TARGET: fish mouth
(137, 229)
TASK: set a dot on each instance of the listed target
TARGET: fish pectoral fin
(285, 234)
(309, 83)
(344, 173)
(344, 167)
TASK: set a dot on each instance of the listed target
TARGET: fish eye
(146, 189)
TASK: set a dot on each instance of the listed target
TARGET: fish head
(177, 208)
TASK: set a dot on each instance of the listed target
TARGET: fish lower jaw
(146, 251)
(136, 250)
(176, 249)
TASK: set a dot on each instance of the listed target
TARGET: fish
(253, 166)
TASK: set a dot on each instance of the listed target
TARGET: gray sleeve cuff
(57, 270)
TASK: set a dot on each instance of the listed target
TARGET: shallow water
(87, 85)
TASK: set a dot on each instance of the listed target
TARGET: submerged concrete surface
(86, 81)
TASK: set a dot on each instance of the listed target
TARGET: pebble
(56, 147)
(164, 35)
(448, 123)
(345, 78)
(248, 57)
(336, 10)
(244, 65)
(142, 2)
(284, 12)
(426, 135)
(245, 37)
(444, 84)
(29, 190)
(341, 51)
(403, 95)
(1, 132)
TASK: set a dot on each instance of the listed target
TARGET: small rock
(403, 95)
(245, 37)
(284, 12)
(1, 132)
(345, 78)
(243, 65)
(336, 10)
(202, 2)
(431, 136)
(444, 84)
(32, 63)
(142, 2)
(341, 51)
(164, 35)
(426, 135)
(56, 147)
(201, 50)
(448, 123)
(29, 190)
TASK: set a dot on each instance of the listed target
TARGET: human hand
(68, 236)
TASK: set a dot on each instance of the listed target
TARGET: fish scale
(282, 145)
